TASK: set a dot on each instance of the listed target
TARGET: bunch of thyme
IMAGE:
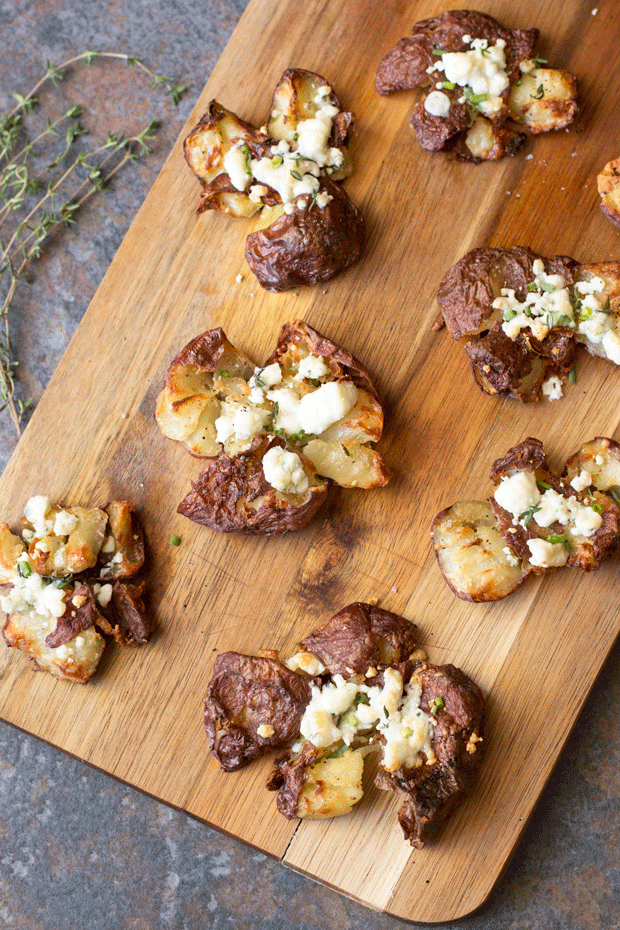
(40, 194)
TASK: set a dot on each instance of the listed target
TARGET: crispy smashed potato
(609, 190)
(287, 169)
(537, 521)
(481, 83)
(67, 591)
(360, 683)
(276, 436)
(521, 316)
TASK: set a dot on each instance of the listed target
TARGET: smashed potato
(521, 316)
(482, 85)
(537, 521)
(67, 590)
(287, 169)
(276, 436)
(360, 683)
(609, 190)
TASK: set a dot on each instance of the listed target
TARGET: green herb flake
(175, 540)
(509, 314)
(532, 286)
(564, 320)
(362, 698)
(24, 568)
(543, 484)
(540, 93)
(437, 705)
(439, 52)
(338, 752)
(572, 376)
(407, 732)
(448, 85)
(345, 450)
(223, 373)
(546, 286)
(296, 175)
(606, 307)
(597, 507)
(276, 161)
(615, 495)
(528, 515)
(556, 538)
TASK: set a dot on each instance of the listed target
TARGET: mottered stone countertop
(81, 851)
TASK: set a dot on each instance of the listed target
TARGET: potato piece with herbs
(544, 99)
(11, 548)
(597, 462)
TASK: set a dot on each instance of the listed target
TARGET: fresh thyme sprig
(36, 201)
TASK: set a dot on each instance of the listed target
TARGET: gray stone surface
(79, 850)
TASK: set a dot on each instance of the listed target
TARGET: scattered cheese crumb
(595, 11)
(123, 416)
(239, 278)
(529, 157)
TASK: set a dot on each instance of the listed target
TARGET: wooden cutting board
(93, 437)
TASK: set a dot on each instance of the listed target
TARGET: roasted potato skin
(405, 66)
(128, 539)
(608, 182)
(125, 618)
(361, 637)
(80, 614)
(232, 495)
(308, 246)
(435, 791)
(244, 693)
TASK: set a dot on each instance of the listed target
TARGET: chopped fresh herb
(564, 320)
(546, 286)
(606, 307)
(540, 93)
(543, 484)
(352, 720)
(63, 583)
(528, 515)
(312, 200)
(585, 313)
(175, 540)
(597, 507)
(258, 378)
(338, 752)
(295, 137)
(615, 495)
(437, 704)
(24, 568)
(474, 100)
(439, 52)
(532, 286)
(345, 450)
(557, 538)
(519, 82)
(448, 85)
(223, 373)
(407, 732)
(386, 712)
(244, 149)
(509, 314)
(275, 410)
(527, 311)
(296, 175)
(276, 161)
(362, 698)
(539, 61)
(572, 376)
(314, 382)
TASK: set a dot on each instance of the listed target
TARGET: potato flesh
(553, 107)
(332, 787)
(75, 661)
(609, 190)
(349, 465)
(11, 548)
(480, 140)
(470, 552)
(605, 472)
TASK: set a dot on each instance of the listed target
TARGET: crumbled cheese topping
(305, 662)
(546, 554)
(256, 193)
(36, 511)
(239, 423)
(284, 471)
(287, 173)
(342, 710)
(582, 481)
(34, 598)
(312, 366)
(323, 199)
(437, 103)
(325, 406)
(237, 166)
(482, 70)
(510, 556)
(520, 495)
(65, 523)
(552, 388)
(103, 593)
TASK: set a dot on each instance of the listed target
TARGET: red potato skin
(308, 246)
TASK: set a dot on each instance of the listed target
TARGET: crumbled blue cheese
(323, 199)
(326, 406)
(598, 328)
(237, 167)
(547, 555)
(36, 512)
(582, 480)
(312, 366)
(239, 423)
(103, 593)
(552, 388)
(287, 173)
(32, 597)
(287, 416)
(256, 193)
(335, 713)
(482, 70)
(437, 103)
(313, 137)
(65, 523)
(284, 471)
(519, 494)
(546, 305)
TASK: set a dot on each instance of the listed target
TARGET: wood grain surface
(93, 437)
